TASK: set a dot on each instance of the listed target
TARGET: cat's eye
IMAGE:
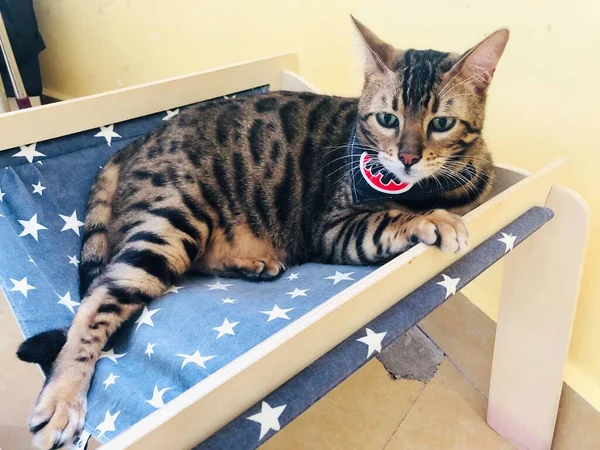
(387, 120)
(441, 124)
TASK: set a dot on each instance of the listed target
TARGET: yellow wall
(543, 101)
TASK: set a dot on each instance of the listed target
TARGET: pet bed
(215, 349)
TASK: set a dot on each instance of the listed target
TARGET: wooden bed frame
(538, 299)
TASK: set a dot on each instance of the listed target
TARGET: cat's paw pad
(261, 269)
(442, 229)
(58, 416)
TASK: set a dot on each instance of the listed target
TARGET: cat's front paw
(58, 416)
(442, 229)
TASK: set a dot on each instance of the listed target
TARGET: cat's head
(423, 110)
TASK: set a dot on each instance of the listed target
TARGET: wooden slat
(291, 81)
(213, 402)
(537, 307)
(71, 116)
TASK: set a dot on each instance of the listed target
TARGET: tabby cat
(250, 186)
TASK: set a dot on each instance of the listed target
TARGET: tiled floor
(372, 411)
(446, 413)
(449, 414)
(363, 412)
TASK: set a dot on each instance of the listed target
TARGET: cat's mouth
(398, 170)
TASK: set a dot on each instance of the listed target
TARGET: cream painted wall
(542, 103)
(98, 45)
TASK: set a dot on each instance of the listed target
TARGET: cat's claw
(442, 229)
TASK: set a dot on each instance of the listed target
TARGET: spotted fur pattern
(249, 186)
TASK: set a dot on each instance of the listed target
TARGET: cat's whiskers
(450, 80)
(336, 147)
(375, 165)
(359, 146)
(336, 159)
(368, 147)
(466, 157)
(434, 178)
(452, 176)
(466, 95)
(343, 157)
(353, 172)
(475, 75)
(458, 169)
(481, 157)
(461, 178)
(345, 166)
(461, 165)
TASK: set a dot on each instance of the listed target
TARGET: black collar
(370, 184)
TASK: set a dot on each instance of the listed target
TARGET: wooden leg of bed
(537, 305)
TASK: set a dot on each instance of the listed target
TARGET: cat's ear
(479, 63)
(379, 55)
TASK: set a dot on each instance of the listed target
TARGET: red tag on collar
(375, 180)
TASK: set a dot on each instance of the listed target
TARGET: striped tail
(43, 348)
(94, 249)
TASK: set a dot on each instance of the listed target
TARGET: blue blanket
(180, 339)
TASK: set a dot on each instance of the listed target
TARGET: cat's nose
(409, 159)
